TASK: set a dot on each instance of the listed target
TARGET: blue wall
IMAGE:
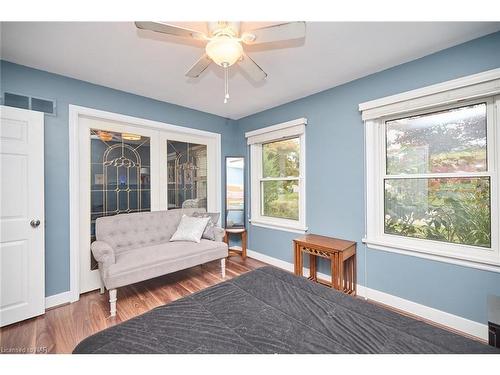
(335, 181)
(23, 80)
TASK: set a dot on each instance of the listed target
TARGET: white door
(101, 191)
(22, 279)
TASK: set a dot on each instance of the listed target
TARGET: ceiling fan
(224, 44)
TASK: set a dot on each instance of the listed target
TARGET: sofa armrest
(219, 234)
(103, 253)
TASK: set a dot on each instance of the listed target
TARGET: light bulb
(131, 137)
(224, 50)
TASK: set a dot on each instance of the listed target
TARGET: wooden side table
(243, 233)
(342, 255)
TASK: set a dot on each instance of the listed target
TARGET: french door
(188, 173)
(118, 174)
(126, 168)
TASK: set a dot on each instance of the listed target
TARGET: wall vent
(27, 102)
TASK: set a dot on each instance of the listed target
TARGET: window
(278, 176)
(279, 183)
(431, 174)
(437, 182)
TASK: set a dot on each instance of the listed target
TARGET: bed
(272, 311)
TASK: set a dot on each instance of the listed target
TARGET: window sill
(278, 226)
(491, 264)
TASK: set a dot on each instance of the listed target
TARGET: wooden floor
(60, 329)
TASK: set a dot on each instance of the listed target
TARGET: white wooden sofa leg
(102, 290)
(223, 267)
(112, 302)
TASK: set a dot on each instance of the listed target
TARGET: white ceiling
(117, 55)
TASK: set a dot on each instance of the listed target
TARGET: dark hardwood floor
(60, 329)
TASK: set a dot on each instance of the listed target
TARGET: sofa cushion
(190, 229)
(153, 261)
(209, 232)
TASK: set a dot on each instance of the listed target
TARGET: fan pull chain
(226, 83)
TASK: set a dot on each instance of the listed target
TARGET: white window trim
(479, 87)
(290, 129)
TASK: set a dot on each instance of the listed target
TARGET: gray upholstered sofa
(135, 247)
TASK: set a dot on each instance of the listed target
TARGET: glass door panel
(120, 180)
(186, 175)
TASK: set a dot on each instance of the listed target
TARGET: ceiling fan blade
(166, 28)
(284, 31)
(251, 68)
(199, 66)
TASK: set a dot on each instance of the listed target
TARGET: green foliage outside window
(455, 210)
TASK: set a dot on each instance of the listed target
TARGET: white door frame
(75, 112)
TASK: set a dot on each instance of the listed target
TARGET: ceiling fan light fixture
(224, 50)
(224, 45)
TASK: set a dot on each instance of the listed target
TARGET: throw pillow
(190, 229)
(209, 232)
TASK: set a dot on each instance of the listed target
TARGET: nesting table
(342, 256)
(241, 232)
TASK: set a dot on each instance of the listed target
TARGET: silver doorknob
(35, 223)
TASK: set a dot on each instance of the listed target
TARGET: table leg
(334, 271)
(354, 273)
(347, 275)
(294, 258)
(300, 261)
(244, 245)
(340, 259)
(312, 267)
(351, 274)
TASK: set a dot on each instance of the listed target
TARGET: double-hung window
(278, 176)
(431, 177)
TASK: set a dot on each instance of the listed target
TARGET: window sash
(436, 175)
(280, 178)
(488, 102)
(429, 204)
(261, 176)
(262, 196)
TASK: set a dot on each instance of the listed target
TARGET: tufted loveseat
(135, 247)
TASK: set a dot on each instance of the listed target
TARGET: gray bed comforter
(272, 311)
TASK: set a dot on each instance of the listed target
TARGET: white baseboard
(58, 299)
(456, 322)
(438, 316)
(281, 263)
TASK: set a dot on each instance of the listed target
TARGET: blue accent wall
(23, 80)
(335, 198)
